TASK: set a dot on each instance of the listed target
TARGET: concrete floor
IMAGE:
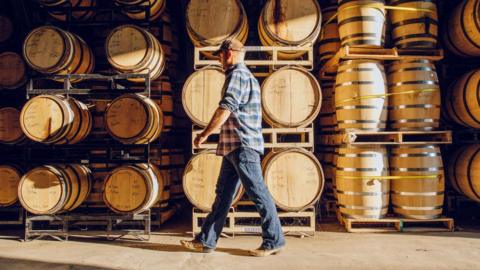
(331, 248)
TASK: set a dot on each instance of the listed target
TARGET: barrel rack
(12, 215)
(387, 138)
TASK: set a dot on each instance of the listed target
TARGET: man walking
(241, 144)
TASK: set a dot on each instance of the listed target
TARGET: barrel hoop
(362, 207)
(415, 21)
(361, 107)
(433, 193)
(416, 120)
(449, 37)
(362, 193)
(431, 169)
(361, 35)
(326, 54)
(476, 5)
(328, 40)
(413, 83)
(360, 170)
(359, 155)
(360, 122)
(469, 174)
(414, 106)
(399, 2)
(412, 69)
(362, 216)
(411, 36)
(342, 2)
(462, 24)
(355, 83)
(356, 70)
(418, 208)
(416, 155)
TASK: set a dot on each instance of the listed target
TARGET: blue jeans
(243, 164)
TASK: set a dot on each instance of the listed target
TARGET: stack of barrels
(291, 98)
(370, 95)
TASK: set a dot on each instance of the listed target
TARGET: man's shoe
(196, 246)
(263, 252)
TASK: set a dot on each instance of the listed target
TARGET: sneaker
(263, 252)
(196, 246)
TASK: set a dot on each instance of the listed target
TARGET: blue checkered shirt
(241, 96)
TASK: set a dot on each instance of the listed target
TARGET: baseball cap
(229, 44)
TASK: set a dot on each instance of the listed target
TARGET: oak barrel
(462, 171)
(360, 96)
(133, 189)
(418, 191)
(131, 49)
(55, 120)
(201, 94)
(209, 23)
(137, 9)
(329, 41)
(294, 178)
(361, 23)
(200, 180)
(9, 179)
(51, 50)
(414, 103)
(362, 192)
(291, 97)
(10, 130)
(53, 189)
(462, 35)
(6, 28)
(13, 72)
(134, 119)
(460, 101)
(414, 29)
(290, 23)
(81, 10)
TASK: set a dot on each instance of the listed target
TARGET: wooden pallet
(236, 222)
(399, 225)
(260, 56)
(387, 138)
(346, 53)
(273, 138)
(61, 227)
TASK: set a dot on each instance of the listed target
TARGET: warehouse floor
(331, 248)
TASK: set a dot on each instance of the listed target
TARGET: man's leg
(227, 186)
(250, 172)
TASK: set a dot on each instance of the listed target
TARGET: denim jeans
(243, 164)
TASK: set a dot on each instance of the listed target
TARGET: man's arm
(219, 117)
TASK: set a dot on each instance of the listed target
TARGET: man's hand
(199, 139)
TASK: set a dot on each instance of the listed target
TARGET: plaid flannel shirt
(241, 96)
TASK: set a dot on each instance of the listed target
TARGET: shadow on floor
(22, 264)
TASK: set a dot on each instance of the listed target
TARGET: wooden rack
(399, 225)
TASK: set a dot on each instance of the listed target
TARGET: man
(241, 144)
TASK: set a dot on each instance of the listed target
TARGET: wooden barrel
(6, 28)
(360, 24)
(131, 49)
(200, 180)
(291, 97)
(134, 119)
(9, 179)
(290, 23)
(360, 194)
(329, 42)
(201, 94)
(81, 9)
(13, 72)
(360, 100)
(461, 100)
(327, 119)
(50, 50)
(414, 29)
(326, 157)
(462, 172)
(462, 35)
(420, 196)
(294, 178)
(209, 23)
(52, 189)
(10, 130)
(133, 189)
(137, 9)
(414, 103)
(55, 120)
